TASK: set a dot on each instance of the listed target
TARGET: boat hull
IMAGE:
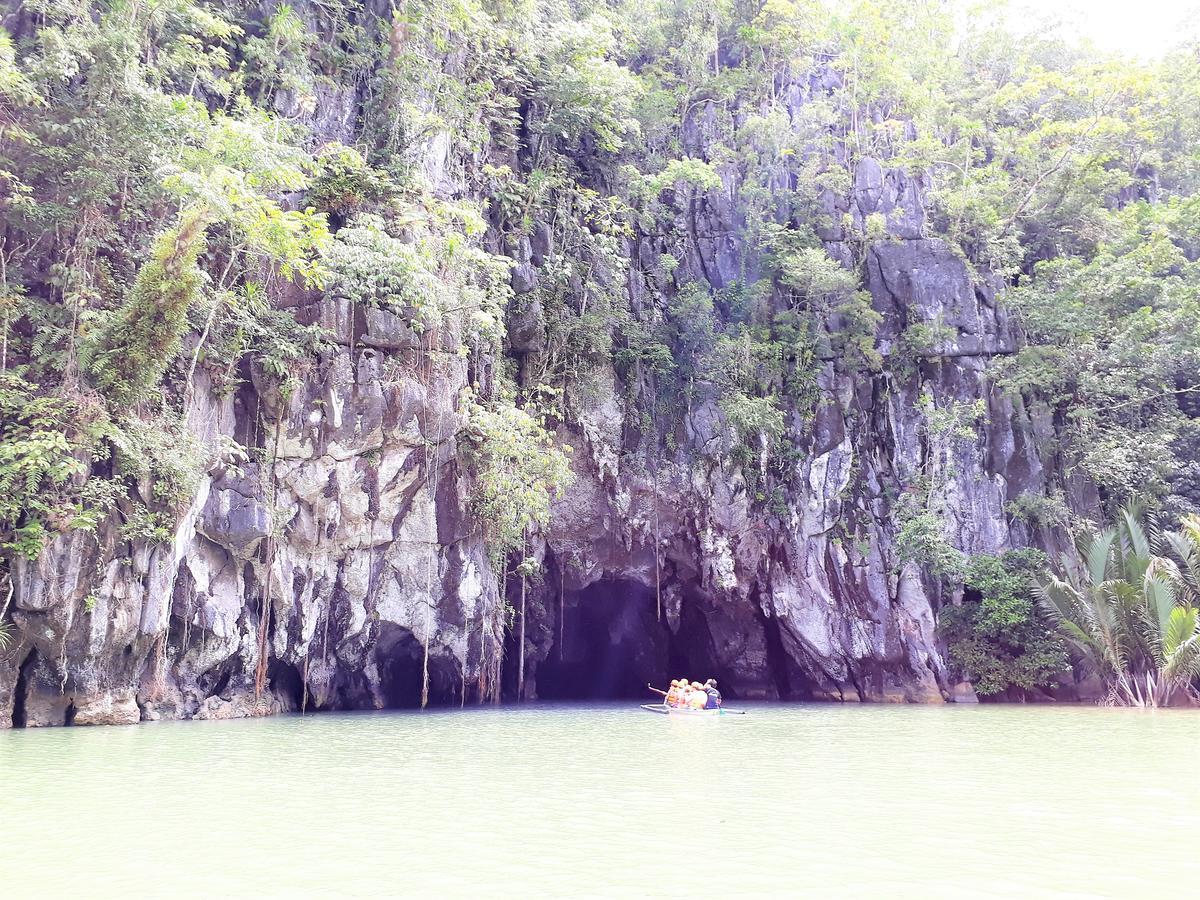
(682, 711)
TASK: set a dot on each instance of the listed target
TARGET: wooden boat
(683, 710)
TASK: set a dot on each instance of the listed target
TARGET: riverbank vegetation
(996, 637)
(1131, 611)
(1124, 610)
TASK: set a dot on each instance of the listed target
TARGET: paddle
(656, 690)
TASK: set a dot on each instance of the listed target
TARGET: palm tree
(1131, 612)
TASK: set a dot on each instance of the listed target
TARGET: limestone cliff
(815, 602)
(355, 516)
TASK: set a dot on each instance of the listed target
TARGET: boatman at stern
(714, 696)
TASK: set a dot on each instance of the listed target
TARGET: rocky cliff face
(355, 519)
(359, 522)
(815, 603)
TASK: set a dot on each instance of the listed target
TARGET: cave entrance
(611, 645)
(400, 658)
(285, 682)
(21, 690)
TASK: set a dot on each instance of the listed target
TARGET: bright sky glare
(1143, 28)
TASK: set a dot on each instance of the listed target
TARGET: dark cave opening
(613, 644)
(400, 658)
(286, 683)
(21, 690)
(789, 682)
(219, 680)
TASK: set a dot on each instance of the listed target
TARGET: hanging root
(304, 696)
(425, 670)
(260, 672)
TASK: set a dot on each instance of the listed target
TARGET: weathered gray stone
(524, 278)
(235, 521)
(389, 331)
(526, 326)
(107, 710)
(354, 516)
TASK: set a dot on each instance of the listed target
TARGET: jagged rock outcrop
(354, 517)
(815, 603)
(358, 514)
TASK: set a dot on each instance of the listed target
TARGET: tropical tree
(1130, 610)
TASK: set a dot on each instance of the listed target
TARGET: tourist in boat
(685, 693)
(683, 698)
(697, 698)
(672, 698)
(714, 696)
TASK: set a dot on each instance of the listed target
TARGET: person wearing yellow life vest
(697, 698)
(672, 698)
(682, 692)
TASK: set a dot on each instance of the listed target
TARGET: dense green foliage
(1115, 337)
(1132, 612)
(133, 348)
(104, 137)
(996, 637)
(520, 470)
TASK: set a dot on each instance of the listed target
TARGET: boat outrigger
(686, 711)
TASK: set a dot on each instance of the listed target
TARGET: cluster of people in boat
(693, 694)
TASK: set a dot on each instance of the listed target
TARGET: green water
(825, 801)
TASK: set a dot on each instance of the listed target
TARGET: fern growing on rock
(133, 350)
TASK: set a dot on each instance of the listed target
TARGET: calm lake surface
(828, 800)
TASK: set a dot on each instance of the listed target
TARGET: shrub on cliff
(518, 467)
(132, 351)
(997, 638)
(44, 439)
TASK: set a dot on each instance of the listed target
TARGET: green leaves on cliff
(519, 467)
(581, 90)
(823, 290)
(140, 192)
(1114, 346)
(134, 347)
(39, 463)
(438, 270)
(996, 636)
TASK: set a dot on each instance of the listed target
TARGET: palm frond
(1134, 539)
(1190, 528)
(1068, 609)
(1097, 550)
(1184, 545)
(1160, 603)
(1181, 641)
